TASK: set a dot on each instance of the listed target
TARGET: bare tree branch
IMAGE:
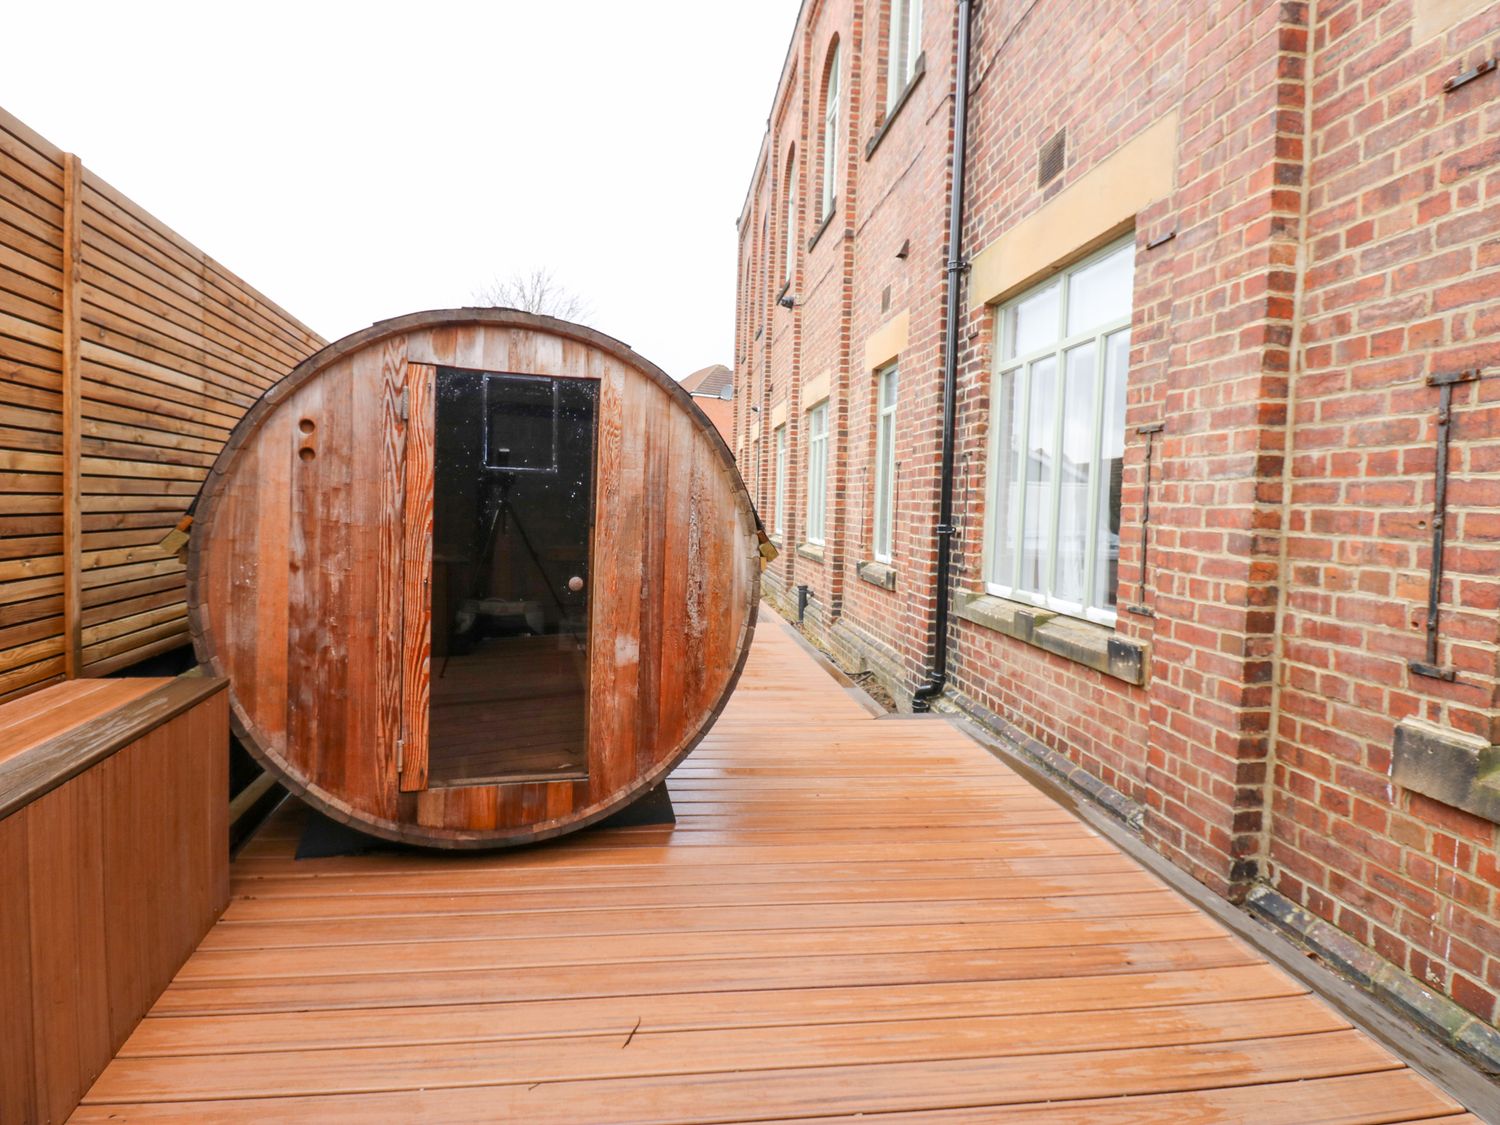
(534, 292)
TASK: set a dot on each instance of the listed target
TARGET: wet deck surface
(853, 916)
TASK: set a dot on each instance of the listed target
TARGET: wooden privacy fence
(126, 357)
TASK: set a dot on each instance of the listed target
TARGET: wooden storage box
(114, 862)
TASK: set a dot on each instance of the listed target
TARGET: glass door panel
(513, 505)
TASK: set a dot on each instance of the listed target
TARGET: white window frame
(789, 243)
(832, 113)
(887, 379)
(904, 47)
(778, 515)
(1005, 585)
(766, 269)
(817, 472)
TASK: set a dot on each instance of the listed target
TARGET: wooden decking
(853, 916)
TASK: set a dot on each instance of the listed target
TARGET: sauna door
(512, 503)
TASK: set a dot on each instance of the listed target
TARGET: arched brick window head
(832, 118)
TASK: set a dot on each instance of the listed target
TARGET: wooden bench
(113, 865)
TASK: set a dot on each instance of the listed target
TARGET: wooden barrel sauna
(476, 577)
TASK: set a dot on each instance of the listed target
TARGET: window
(902, 48)
(747, 299)
(1058, 438)
(521, 435)
(832, 144)
(762, 282)
(789, 247)
(778, 514)
(817, 470)
(762, 273)
(885, 461)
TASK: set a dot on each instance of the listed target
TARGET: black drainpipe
(956, 267)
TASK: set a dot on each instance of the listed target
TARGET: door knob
(575, 583)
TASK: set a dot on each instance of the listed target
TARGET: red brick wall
(1403, 276)
(1217, 570)
(902, 192)
(812, 338)
(1192, 746)
(1335, 237)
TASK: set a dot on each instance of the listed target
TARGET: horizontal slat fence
(126, 357)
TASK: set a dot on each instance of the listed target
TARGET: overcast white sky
(359, 161)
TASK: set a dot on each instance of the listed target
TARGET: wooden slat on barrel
(630, 581)
(307, 623)
(657, 546)
(610, 499)
(336, 441)
(271, 549)
(334, 611)
(699, 595)
(677, 513)
(390, 520)
(416, 521)
(239, 590)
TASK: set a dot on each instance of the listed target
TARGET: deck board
(852, 916)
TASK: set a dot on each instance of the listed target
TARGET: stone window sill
(824, 225)
(877, 574)
(813, 551)
(916, 76)
(1093, 646)
(1458, 769)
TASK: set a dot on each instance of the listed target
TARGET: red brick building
(712, 389)
(1221, 266)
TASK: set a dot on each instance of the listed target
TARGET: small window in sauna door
(512, 513)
